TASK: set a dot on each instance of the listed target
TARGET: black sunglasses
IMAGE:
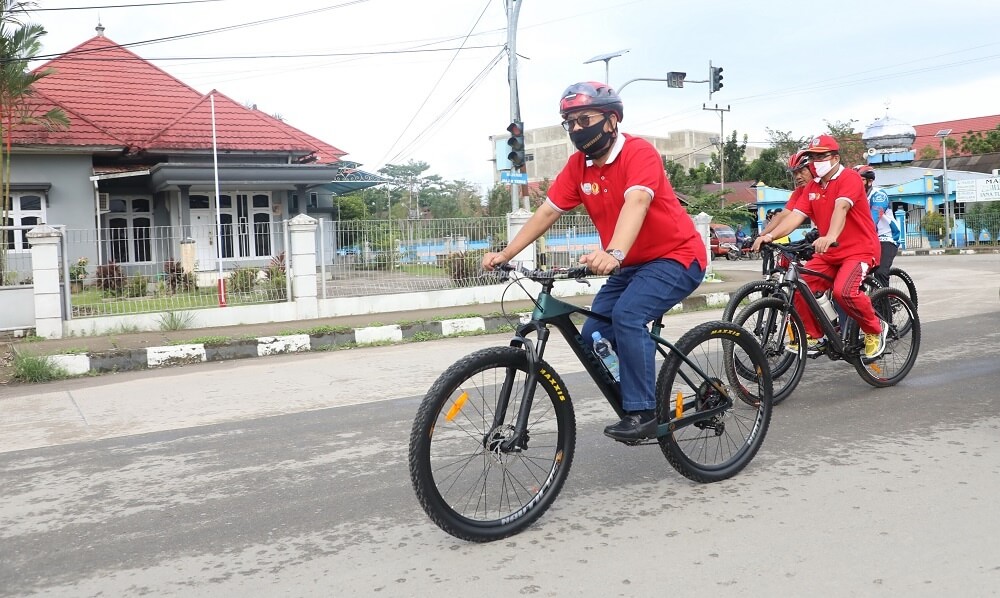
(584, 121)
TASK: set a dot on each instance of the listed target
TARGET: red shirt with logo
(667, 231)
(817, 202)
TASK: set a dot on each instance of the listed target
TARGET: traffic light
(516, 143)
(675, 79)
(714, 78)
(936, 184)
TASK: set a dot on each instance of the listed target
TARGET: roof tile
(113, 96)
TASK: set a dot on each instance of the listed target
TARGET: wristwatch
(618, 254)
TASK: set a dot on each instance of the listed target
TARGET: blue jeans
(633, 297)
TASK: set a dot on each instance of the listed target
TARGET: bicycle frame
(550, 311)
(790, 284)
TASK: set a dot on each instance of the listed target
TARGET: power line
(142, 4)
(276, 56)
(452, 108)
(207, 31)
(435, 86)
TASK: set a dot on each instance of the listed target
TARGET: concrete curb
(123, 360)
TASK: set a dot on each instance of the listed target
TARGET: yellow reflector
(679, 405)
(459, 403)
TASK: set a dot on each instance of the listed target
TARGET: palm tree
(19, 43)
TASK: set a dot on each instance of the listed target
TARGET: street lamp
(607, 59)
(943, 134)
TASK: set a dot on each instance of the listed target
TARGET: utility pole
(943, 134)
(722, 147)
(513, 8)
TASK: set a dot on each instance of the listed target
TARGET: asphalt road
(287, 476)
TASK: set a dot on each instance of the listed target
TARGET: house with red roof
(927, 133)
(148, 161)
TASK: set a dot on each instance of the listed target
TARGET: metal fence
(376, 257)
(972, 228)
(147, 269)
(15, 260)
(135, 269)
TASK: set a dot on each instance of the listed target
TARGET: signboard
(520, 178)
(978, 190)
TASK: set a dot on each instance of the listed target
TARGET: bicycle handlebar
(575, 273)
(799, 250)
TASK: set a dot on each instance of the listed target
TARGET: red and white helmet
(590, 94)
(865, 171)
(798, 161)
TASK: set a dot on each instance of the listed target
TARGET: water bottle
(827, 306)
(602, 347)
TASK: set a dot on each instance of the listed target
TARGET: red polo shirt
(667, 231)
(817, 202)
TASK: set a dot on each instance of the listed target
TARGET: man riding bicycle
(847, 248)
(652, 251)
(889, 234)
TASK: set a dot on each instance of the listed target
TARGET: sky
(390, 81)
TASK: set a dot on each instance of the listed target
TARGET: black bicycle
(493, 439)
(779, 328)
(767, 286)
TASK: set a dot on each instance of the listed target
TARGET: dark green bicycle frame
(550, 311)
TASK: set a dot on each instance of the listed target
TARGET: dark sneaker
(634, 426)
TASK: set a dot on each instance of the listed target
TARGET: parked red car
(719, 234)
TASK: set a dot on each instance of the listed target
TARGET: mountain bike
(765, 287)
(494, 437)
(779, 328)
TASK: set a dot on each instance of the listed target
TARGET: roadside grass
(36, 368)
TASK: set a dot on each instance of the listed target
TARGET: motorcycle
(741, 250)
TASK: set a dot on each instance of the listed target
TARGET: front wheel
(900, 279)
(721, 445)
(466, 477)
(902, 341)
(781, 335)
(748, 293)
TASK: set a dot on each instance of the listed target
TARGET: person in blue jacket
(889, 234)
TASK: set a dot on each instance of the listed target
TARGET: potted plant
(933, 224)
(77, 274)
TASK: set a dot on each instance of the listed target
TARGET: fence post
(303, 264)
(45, 268)
(515, 222)
(701, 222)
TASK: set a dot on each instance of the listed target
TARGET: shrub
(110, 279)
(177, 278)
(466, 267)
(242, 279)
(136, 286)
(78, 271)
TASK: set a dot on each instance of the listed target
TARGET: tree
(20, 42)
(771, 169)
(736, 162)
(498, 201)
(852, 148)
(406, 181)
(977, 142)
(785, 143)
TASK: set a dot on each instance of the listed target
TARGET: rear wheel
(468, 483)
(902, 342)
(775, 329)
(719, 446)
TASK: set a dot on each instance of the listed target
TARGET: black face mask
(593, 141)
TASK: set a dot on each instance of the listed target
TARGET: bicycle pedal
(636, 442)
